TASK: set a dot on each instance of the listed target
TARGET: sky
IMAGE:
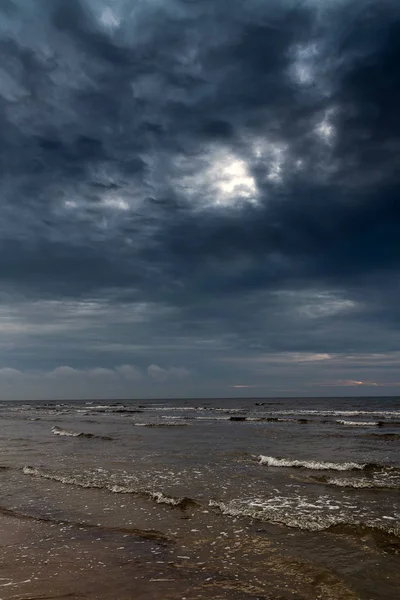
(199, 198)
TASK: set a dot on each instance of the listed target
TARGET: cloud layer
(190, 189)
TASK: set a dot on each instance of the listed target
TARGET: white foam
(66, 479)
(162, 498)
(163, 424)
(299, 512)
(271, 461)
(173, 408)
(339, 413)
(358, 423)
(115, 488)
(58, 431)
(361, 483)
(211, 418)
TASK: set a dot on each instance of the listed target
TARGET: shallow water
(281, 496)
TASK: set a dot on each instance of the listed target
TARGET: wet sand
(43, 560)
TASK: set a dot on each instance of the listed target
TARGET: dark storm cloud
(239, 165)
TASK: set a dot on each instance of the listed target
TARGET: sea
(256, 498)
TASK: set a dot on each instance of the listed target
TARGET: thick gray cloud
(202, 195)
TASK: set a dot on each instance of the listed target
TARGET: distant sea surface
(255, 498)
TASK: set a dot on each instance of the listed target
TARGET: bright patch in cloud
(115, 202)
(232, 179)
(315, 304)
(304, 357)
(355, 383)
(159, 374)
(272, 157)
(284, 358)
(70, 204)
(325, 129)
(109, 19)
(303, 68)
(218, 176)
(240, 387)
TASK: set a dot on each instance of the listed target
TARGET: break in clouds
(197, 196)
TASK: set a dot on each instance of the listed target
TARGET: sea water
(228, 485)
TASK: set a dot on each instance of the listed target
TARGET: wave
(161, 424)
(162, 498)
(172, 408)
(271, 461)
(302, 512)
(359, 423)
(157, 496)
(246, 418)
(110, 410)
(58, 431)
(209, 418)
(62, 432)
(276, 420)
(359, 483)
(341, 413)
(125, 410)
(311, 521)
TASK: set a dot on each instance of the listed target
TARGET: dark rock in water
(303, 421)
(237, 418)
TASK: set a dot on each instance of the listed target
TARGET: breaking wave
(358, 423)
(271, 461)
(341, 413)
(161, 424)
(109, 408)
(360, 483)
(62, 432)
(300, 513)
(157, 496)
(211, 418)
